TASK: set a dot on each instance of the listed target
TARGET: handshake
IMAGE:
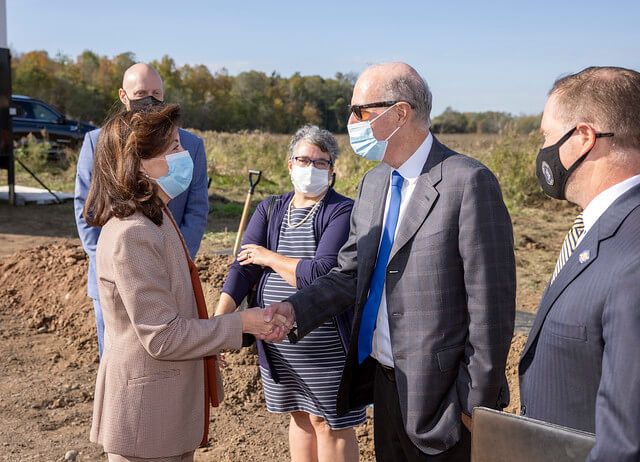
(271, 324)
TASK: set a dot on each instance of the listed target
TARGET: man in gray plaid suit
(429, 267)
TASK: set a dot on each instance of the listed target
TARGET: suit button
(396, 314)
(523, 410)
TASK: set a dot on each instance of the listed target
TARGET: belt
(389, 372)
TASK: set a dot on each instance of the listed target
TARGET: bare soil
(48, 354)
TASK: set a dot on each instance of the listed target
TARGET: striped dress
(310, 370)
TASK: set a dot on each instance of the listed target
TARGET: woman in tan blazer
(149, 396)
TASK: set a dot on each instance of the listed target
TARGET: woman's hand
(252, 254)
(258, 255)
(253, 323)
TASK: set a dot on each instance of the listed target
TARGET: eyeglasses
(322, 164)
(356, 109)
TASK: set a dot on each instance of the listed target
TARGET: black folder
(502, 437)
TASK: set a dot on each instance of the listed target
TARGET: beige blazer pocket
(153, 377)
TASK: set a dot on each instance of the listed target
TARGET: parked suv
(43, 121)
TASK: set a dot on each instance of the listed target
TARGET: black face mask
(551, 174)
(143, 103)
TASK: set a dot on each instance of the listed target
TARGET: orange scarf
(210, 369)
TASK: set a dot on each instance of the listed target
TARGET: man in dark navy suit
(581, 365)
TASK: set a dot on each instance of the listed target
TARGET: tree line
(86, 88)
(452, 121)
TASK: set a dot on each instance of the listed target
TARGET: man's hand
(277, 312)
(254, 322)
(282, 309)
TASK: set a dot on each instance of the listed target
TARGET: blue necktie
(371, 306)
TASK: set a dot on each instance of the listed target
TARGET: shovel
(254, 179)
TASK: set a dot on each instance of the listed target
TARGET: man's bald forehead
(394, 81)
(389, 70)
(141, 73)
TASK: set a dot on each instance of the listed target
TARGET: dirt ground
(48, 355)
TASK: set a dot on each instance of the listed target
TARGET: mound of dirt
(46, 287)
(517, 345)
(43, 294)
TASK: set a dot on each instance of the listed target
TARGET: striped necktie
(569, 245)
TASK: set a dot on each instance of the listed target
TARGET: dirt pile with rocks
(46, 288)
(48, 353)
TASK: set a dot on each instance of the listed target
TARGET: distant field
(231, 155)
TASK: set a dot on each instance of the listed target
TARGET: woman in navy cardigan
(290, 241)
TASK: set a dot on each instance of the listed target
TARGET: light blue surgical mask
(364, 143)
(178, 178)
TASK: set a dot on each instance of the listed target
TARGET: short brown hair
(606, 96)
(118, 187)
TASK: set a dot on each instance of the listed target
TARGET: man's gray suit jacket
(450, 292)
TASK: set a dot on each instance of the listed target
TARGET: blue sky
(476, 55)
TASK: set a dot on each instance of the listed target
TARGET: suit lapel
(583, 256)
(369, 243)
(422, 200)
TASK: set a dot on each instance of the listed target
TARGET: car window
(22, 109)
(41, 112)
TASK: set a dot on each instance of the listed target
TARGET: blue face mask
(364, 143)
(178, 178)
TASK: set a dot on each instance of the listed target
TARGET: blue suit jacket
(580, 366)
(190, 209)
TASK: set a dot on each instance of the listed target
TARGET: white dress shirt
(603, 201)
(410, 171)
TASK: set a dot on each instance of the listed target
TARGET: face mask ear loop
(565, 137)
(392, 133)
(582, 158)
(379, 115)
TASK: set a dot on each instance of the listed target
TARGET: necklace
(306, 217)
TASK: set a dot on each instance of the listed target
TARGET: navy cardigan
(331, 229)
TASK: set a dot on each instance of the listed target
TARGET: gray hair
(322, 139)
(412, 88)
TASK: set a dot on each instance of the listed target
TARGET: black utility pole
(6, 134)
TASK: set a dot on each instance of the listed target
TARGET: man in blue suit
(142, 85)
(580, 366)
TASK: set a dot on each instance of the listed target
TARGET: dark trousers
(391, 441)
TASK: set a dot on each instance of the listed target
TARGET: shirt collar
(412, 167)
(603, 201)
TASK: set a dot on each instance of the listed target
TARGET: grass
(226, 210)
(219, 241)
(512, 160)
(57, 172)
(231, 155)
